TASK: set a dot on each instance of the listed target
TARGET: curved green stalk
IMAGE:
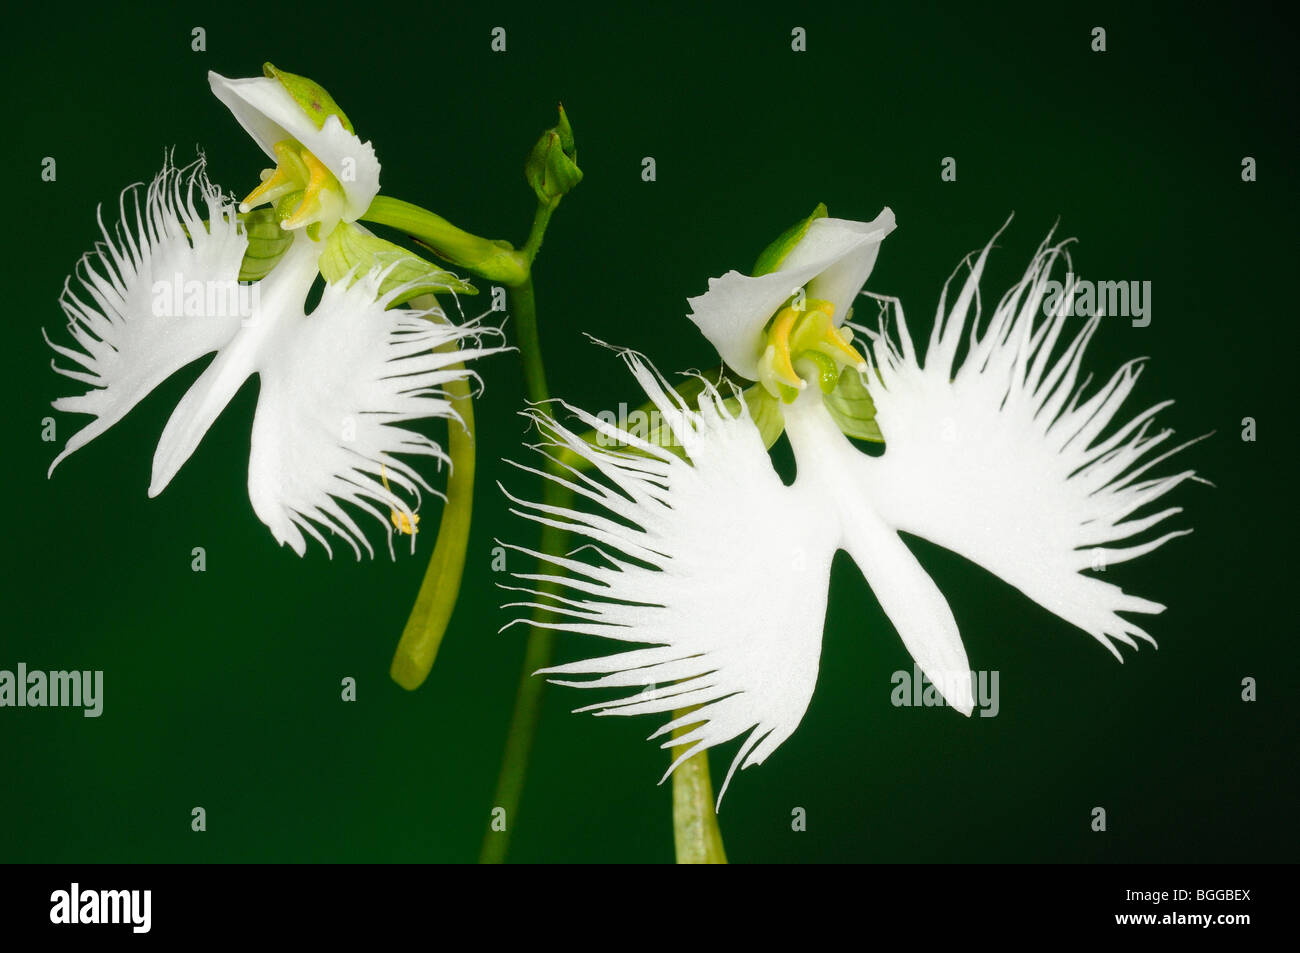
(696, 836)
(418, 646)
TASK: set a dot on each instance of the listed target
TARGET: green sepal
(765, 411)
(769, 260)
(852, 409)
(267, 242)
(349, 247)
(310, 95)
(552, 165)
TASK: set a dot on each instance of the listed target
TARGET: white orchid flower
(830, 261)
(163, 289)
(315, 148)
(722, 570)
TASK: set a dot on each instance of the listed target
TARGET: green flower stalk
(696, 837)
(421, 638)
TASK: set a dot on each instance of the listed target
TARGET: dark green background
(222, 688)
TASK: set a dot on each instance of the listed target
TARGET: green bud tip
(565, 132)
(552, 165)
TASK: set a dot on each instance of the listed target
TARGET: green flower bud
(552, 167)
(765, 410)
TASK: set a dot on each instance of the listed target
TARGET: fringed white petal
(336, 385)
(713, 562)
(832, 262)
(269, 113)
(1006, 458)
(160, 291)
(830, 471)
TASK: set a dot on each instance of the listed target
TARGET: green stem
(541, 642)
(541, 219)
(538, 653)
(494, 260)
(530, 342)
(695, 821)
(418, 646)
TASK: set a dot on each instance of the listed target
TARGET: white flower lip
(269, 114)
(831, 262)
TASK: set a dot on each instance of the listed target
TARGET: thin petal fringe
(126, 338)
(334, 396)
(695, 558)
(1001, 456)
